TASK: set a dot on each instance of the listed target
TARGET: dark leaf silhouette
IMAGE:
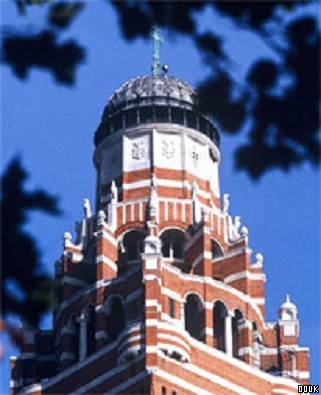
(62, 14)
(277, 104)
(42, 51)
(26, 288)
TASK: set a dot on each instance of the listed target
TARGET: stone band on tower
(158, 293)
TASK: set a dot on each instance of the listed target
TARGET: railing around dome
(156, 114)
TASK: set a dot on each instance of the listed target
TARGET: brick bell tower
(158, 293)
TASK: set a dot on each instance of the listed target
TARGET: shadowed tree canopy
(26, 288)
(276, 107)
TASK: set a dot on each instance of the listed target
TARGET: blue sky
(51, 127)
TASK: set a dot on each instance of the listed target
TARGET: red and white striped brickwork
(159, 293)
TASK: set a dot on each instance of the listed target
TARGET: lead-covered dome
(146, 90)
(152, 100)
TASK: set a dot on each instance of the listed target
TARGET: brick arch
(130, 226)
(221, 301)
(173, 224)
(120, 236)
(193, 293)
(219, 244)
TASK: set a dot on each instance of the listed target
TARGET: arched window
(219, 315)
(194, 316)
(217, 250)
(173, 244)
(115, 318)
(236, 322)
(133, 245)
(91, 328)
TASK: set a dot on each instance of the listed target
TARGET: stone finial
(237, 223)
(67, 238)
(194, 190)
(288, 310)
(153, 181)
(226, 203)
(259, 258)
(114, 192)
(101, 217)
(205, 214)
(244, 231)
(87, 209)
(153, 203)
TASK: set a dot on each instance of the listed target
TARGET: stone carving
(114, 192)
(139, 149)
(87, 209)
(226, 203)
(168, 149)
(195, 156)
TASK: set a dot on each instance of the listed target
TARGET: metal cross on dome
(157, 40)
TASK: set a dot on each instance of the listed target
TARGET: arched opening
(219, 316)
(133, 245)
(115, 317)
(194, 316)
(173, 244)
(217, 250)
(90, 316)
(237, 320)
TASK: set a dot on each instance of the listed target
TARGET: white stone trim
(205, 375)
(282, 391)
(108, 237)
(217, 284)
(245, 351)
(173, 348)
(269, 351)
(174, 339)
(31, 388)
(244, 274)
(151, 303)
(136, 348)
(246, 324)
(137, 184)
(151, 349)
(16, 383)
(172, 294)
(295, 373)
(131, 340)
(181, 383)
(151, 322)
(103, 259)
(241, 365)
(259, 300)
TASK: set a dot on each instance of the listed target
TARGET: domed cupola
(154, 99)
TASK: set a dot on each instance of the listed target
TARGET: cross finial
(157, 40)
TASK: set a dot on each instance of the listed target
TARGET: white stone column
(229, 334)
(82, 337)
(183, 314)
